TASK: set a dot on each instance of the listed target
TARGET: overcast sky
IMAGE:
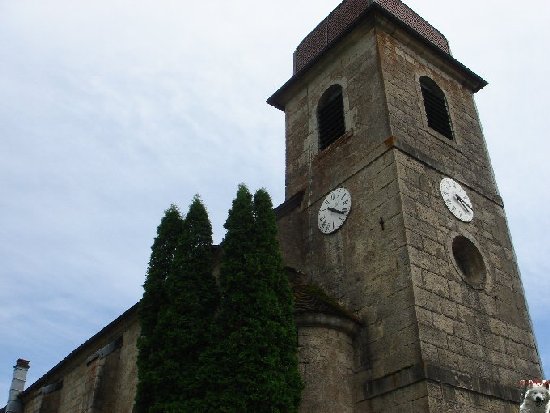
(111, 110)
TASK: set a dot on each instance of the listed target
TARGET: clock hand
(463, 203)
(336, 210)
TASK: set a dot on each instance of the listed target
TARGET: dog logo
(536, 397)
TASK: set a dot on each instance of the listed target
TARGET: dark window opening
(469, 260)
(436, 107)
(330, 116)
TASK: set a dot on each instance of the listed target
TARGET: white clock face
(334, 210)
(456, 199)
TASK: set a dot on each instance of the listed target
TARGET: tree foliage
(154, 297)
(289, 382)
(253, 366)
(228, 346)
(185, 319)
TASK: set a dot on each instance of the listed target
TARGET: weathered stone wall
(326, 366)
(447, 398)
(486, 328)
(292, 231)
(392, 262)
(404, 61)
(413, 399)
(98, 377)
(354, 65)
(483, 330)
(364, 265)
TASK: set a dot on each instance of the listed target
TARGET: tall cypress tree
(286, 377)
(255, 366)
(222, 365)
(154, 295)
(185, 319)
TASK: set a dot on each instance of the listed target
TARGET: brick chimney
(17, 386)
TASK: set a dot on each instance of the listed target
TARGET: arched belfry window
(330, 116)
(436, 107)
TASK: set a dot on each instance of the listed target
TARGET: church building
(392, 211)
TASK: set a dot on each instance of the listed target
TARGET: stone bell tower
(392, 210)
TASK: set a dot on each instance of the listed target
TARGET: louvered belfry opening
(436, 107)
(330, 116)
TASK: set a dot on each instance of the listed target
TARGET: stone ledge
(105, 351)
(50, 388)
(442, 375)
(295, 201)
(333, 322)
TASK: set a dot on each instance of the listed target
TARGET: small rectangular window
(436, 107)
(330, 116)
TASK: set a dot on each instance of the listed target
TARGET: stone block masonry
(98, 377)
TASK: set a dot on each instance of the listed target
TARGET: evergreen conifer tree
(253, 366)
(185, 319)
(286, 376)
(154, 295)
